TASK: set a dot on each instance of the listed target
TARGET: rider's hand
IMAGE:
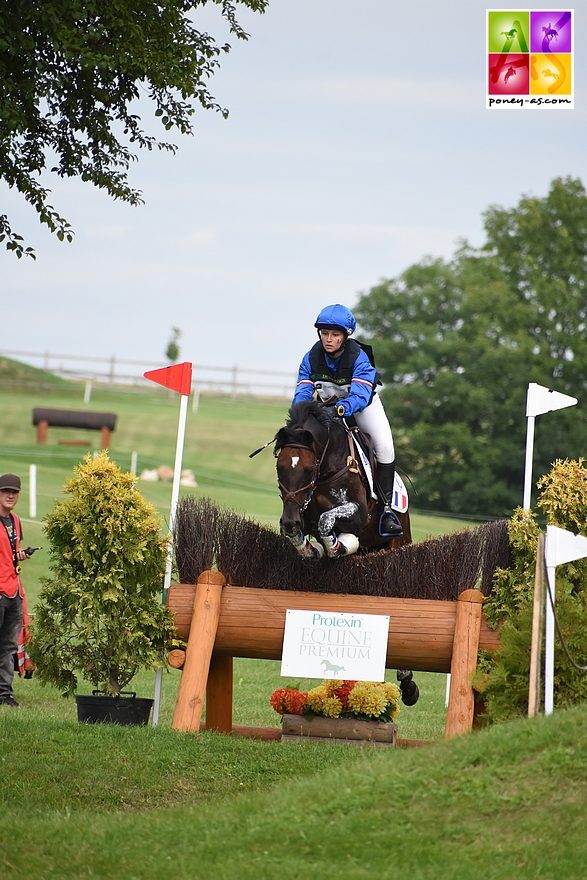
(340, 410)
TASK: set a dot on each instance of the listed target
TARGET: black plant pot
(102, 709)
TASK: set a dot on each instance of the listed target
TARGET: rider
(339, 371)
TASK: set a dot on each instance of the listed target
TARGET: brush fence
(219, 621)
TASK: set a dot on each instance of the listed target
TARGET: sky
(357, 143)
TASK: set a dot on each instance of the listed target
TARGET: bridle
(286, 494)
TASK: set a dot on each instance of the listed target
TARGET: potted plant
(347, 711)
(100, 614)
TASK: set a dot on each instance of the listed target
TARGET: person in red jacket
(11, 589)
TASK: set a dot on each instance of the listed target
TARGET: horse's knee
(327, 519)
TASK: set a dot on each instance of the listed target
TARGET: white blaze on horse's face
(295, 460)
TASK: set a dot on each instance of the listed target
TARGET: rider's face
(332, 341)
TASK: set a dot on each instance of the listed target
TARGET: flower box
(317, 728)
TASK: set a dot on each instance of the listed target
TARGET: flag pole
(179, 378)
(183, 408)
(561, 546)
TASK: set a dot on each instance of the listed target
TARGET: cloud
(200, 235)
(434, 93)
(106, 231)
(405, 237)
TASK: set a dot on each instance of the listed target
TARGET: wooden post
(536, 643)
(42, 431)
(176, 658)
(105, 437)
(461, 703)
(194, 677)
(219, 694)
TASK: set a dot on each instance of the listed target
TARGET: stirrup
(396, 530)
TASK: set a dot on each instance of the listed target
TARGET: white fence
(120, 372)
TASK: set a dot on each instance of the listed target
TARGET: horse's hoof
(410, 692)
(349, 542)
(344, 545)
(310, 550)
(315, 550)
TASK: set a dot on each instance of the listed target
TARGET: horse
(325, 494)
(550, 33)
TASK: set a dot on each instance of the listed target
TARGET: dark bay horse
(325, 495)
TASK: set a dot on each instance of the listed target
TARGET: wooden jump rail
(219, 621)
(45, 418)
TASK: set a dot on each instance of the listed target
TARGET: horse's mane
(306, 420)
(299, 413)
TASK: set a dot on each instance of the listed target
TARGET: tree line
(458, 341)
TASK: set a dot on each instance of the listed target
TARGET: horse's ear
(279, 441)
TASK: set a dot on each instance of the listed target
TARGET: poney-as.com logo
(530, 59)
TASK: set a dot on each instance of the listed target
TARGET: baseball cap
(10, 481)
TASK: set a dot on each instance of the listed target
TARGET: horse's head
(299, 449)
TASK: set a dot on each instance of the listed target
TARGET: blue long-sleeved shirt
(354, 397)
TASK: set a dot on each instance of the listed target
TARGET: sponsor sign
(332, 644)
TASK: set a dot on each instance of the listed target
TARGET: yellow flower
(331, 685)
(393, 696)
(321, 701)
(331, 707)
(368, 698)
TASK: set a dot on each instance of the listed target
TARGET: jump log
(424, 635)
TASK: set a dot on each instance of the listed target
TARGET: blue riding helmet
(336, 317)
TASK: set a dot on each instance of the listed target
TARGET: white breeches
(373, 421)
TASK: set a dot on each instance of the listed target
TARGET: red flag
(178, 377)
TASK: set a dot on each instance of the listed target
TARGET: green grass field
(219, 437)
(84, 801)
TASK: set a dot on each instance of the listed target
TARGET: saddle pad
(400, 496)
(366, 466)
(399, 501)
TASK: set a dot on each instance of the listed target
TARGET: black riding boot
(389, 524)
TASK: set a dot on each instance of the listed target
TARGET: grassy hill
(148, 804)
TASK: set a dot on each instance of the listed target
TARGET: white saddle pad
(399, 502)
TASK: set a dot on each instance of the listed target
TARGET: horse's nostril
(288, 526)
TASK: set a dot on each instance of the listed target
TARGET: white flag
(541, 400)
(562, 546)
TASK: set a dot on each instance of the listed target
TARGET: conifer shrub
(503, 677)
(100, 614)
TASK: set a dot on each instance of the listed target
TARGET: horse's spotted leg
(338, 545)
(408, 687)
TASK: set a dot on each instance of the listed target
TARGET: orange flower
(288, 701)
